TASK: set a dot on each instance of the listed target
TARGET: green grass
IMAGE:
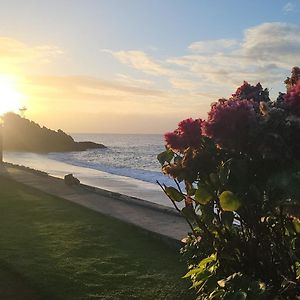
(53, 249)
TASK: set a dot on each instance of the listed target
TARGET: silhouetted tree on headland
(22, 111)
(20, 134)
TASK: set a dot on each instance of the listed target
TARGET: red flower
(188, 134)
(292, 98)
(230, 122)
(251, 92)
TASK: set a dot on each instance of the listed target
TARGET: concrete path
(162, 221)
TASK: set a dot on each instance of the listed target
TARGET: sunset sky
(139, 66)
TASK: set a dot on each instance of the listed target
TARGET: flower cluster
(231, 122)
(290, 81)
(241, 166)
(292, 98)
(188, 134)
(251, 92)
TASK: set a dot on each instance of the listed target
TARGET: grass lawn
(53, 249)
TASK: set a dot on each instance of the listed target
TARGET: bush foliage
(238, 175)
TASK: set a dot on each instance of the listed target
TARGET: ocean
(130, 155)
(128, 165)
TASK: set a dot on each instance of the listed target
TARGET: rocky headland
(21, 134)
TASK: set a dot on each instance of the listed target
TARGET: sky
(139, 66)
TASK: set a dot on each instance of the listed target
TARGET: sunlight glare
(10, 98)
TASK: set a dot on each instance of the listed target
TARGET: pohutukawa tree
(238, 173)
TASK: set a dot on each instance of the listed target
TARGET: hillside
(20, 134)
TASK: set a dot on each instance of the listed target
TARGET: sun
(10, 98)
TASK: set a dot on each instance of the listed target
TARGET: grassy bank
(53, 249)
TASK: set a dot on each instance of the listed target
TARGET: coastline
(101, 191)
(95, 178)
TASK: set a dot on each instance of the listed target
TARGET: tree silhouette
(22, 111)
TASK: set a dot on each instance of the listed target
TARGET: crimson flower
(230, 122)
(251, 92)
(292, 98)
(188, 134)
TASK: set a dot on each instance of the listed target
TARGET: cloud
(184, 84)
(265, 53)
(128, 80)
(217, 67)
(16, 53)
(71, 88)
(212, 46)
(204, 72)
(140, 61)
(291, 7)
(273, 43)
(85, 104)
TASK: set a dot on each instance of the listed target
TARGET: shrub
(238, 175)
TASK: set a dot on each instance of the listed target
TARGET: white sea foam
(128, 166)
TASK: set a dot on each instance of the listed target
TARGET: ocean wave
(139, 174)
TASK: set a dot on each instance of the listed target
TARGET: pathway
(164, 222)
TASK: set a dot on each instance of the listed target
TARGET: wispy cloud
(213, 46)
(263, 54)
(293, 6)
(135, 82)
(16, 53)
(74, 101)
(140, 61)
(184, 84)
(71, 88)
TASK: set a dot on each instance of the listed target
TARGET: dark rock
(71, 180)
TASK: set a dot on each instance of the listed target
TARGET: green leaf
(165, 156)
(229, 201)
(188, 213)
(174, 194)
(191, 192)
(207, 260)
(296, 224)
(227, 218)
(207, 214)
(202, 196)
(192, 272)
(201, 266)
(203, 276)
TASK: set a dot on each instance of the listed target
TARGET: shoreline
(92, 177)
(100, 191)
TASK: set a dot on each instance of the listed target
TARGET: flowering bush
(188, 134)
(238, 174)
